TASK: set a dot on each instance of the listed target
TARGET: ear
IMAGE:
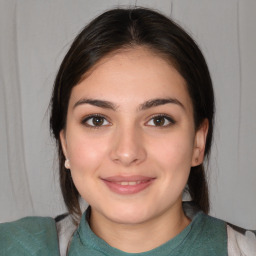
(63, 143)
(199, 143)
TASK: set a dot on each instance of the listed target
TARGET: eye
(95, 121)
(160, 121)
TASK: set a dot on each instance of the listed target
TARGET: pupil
(159, 121)
(97, 121)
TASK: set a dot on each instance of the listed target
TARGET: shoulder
(29, 236)
(238, 241)
(241, 241)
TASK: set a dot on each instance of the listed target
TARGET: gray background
(34, 38)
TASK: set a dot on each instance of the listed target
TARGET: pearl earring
(67, 164)
(197, 154)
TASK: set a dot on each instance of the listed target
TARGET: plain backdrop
(36, 34)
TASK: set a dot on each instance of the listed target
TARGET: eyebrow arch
(97, 103)
(146, 105)
(158, 102)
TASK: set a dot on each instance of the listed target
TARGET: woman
(132, 113)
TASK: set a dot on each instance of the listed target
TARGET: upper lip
(127, 178)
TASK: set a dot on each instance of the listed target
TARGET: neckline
(90, 240)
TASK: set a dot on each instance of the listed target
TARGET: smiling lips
(128, 185)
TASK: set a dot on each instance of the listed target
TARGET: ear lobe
(199, 143)
(63, 143)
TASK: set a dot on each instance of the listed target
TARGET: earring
(197, 154)
(67, 164)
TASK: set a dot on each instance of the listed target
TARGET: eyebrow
(97, 103)
(144, 106)
(158, 102)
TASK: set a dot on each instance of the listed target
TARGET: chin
(129, 215)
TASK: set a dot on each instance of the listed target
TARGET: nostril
(130, 158)
(127, 147)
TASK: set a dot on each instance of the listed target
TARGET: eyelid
(167, 117)
(88, 117)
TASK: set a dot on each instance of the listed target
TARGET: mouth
(128, 185)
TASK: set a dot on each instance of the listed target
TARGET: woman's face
(130, 137)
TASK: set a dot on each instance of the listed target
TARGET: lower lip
(127, 189)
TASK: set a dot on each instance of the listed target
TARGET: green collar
(203, 236)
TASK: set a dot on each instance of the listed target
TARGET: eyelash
(90, 117)
(170, 120)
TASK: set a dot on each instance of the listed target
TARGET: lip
(126, 185)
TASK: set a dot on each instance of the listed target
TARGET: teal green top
(203, 236)
(38, 236)
(29, 236)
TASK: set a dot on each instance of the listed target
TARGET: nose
(128, 147)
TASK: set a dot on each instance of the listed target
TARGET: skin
(130, 140)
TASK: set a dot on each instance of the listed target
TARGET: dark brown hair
(126, 28)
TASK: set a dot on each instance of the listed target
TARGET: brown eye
(160, 121)
(95, 121)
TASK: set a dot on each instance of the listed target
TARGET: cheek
(175, 151)
(175, 160)
(86, 157)
(86, 154)
(173, 157)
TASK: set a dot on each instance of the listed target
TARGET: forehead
(131, 75)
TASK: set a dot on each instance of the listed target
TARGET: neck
(136, 238)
